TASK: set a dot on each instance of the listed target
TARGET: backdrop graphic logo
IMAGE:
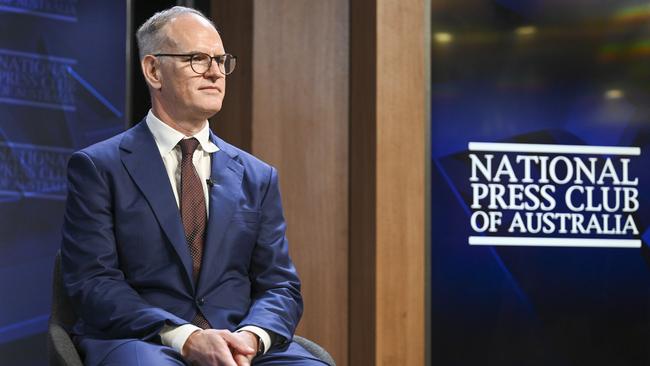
(55, 9)
(36, 80)
(33, 171)
(553, 195)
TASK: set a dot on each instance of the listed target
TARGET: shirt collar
(167, 138)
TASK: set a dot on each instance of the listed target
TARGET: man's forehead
(191, 19)
(190, 28)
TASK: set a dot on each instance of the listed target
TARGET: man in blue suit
(174, 248)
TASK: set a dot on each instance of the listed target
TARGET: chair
(62, 352)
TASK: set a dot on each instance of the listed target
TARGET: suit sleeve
(101, 297)
(276, 301)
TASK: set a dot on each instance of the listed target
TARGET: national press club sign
(553, 195)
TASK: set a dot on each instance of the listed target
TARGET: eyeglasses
(201, 62)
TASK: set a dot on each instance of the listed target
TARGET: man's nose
(214, 71)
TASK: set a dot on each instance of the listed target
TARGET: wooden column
(388, 137)
(288, 101)
(300, 125)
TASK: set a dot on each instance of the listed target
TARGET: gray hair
(151, 39)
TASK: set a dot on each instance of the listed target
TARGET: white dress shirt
(167, 140)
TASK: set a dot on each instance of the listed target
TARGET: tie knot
(188, 146)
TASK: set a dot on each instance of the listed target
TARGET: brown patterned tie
(193, 213)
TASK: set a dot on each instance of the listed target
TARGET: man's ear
(151, 71)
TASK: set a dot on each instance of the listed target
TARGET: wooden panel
(401, 107)
(388, 133)
(234, 20)
(300, 125)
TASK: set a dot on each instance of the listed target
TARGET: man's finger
(209, 347)
(227, 359)
(242, 360)
(235, 342)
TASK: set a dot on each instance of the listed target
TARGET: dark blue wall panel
(538, 72)
(62, 87)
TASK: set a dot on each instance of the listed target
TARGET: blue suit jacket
(125, 262)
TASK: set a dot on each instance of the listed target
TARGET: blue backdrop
(538, 72)
(62, 87)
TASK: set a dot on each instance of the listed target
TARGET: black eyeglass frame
(192, 55)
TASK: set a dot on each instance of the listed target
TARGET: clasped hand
(220, 347)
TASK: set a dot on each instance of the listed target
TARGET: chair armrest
(316, 350)
(61, 350)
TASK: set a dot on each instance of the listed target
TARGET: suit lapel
(225, 194)
(142, 160)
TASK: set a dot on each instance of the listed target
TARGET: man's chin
(211, 110)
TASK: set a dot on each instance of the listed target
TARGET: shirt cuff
(176, 336)
(265, 338)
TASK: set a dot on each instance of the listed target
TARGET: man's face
(185, 93)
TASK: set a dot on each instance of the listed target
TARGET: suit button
(200, 301)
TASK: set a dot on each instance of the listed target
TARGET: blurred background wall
(333, 93)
